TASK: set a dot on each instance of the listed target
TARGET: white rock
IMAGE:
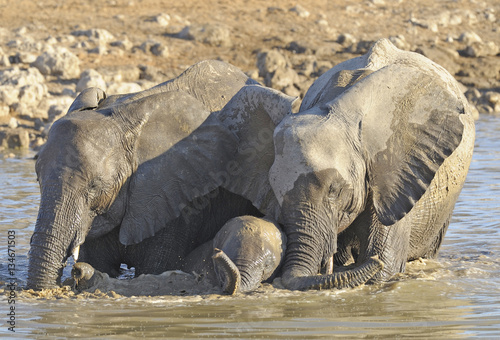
(99, 35)
(469, 37)
(123, 44)
(59, 62)
(25, 57)
(120, 88)
(4, 110)
(162, 19)
(9, 94)
(269, 61)
(32, 94)
(300, 11)
(13, 123)
(90, 78)
(18, 77)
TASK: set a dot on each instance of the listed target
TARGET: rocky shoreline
(44, 67)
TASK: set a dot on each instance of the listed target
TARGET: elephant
(246, 251)
(370, 166)
(103, 144)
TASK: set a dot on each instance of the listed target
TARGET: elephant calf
(245, 252)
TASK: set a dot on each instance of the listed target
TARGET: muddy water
(455, 296)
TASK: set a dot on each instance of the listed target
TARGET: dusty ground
(314, 35)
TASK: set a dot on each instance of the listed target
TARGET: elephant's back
(430, 216)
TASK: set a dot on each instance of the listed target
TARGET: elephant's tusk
(76, 252)
(329, 266)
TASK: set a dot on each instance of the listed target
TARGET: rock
(300, 11)
(346, 39)
(493, 100)
(473, 95)
(13, 124)
(4, 110)
(269, 61)
(152, 73)
(446, 57)
(58, 62)
(90, 78)
(156, 48)
(490, 16)
(119, 73)
(101, 49)
(56, 107)
(20, 77)
(14, 139)
(299, 47)
(32, 94)
(9, 94)
(308, 66)
(4, 61)
(162, 19)
(479, 49)
(469, 38)
(210, 34)
(121, 88)
(97, 35)
(281, 78)
(24, 58)
(400, 42)
(124, 44)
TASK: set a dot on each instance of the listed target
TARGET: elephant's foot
(231, 277)
(85, 276)
(341, 277)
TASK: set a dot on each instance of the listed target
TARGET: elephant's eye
(93, 192)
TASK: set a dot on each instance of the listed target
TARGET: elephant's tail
(228, 272)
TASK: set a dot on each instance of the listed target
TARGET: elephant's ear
(410, 123)
(233, 149)
(150, 126)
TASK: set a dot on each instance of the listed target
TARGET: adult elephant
(93, 153)
(372, 165)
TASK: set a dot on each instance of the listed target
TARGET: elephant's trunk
(227, 269)
(304, 253)
(339, 279)
(55, 233)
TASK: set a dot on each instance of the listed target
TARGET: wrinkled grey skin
(372, 165)
(245, 252)
(100, 147)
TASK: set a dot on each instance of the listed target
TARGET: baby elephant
(245, 252)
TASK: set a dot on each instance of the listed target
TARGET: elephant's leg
(104, 253)
(389, 243)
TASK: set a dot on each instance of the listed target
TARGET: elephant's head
(371, 134)
(92, 152)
